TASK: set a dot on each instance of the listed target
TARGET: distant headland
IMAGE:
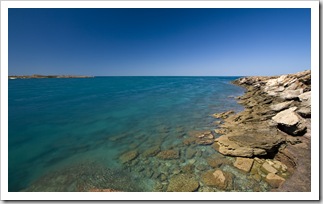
(38, 76)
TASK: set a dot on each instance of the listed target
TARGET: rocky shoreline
(273, 132)
(266, 147)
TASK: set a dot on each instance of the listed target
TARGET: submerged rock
(200, 137)
(216, 162)
(128, 156)
(190, 152)
(217, 179)
(168, 154)
(152, 151)
(183, 183)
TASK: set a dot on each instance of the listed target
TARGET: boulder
(183, 183)
(291, 94)
(243, 164)
(281, 106)
(305, 112)
(288, 121)
(168, 154)
(274, 180)
(305, 96)
(128, 156)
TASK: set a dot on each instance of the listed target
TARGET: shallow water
(69, 134)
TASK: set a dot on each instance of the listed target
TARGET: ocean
(76, 134)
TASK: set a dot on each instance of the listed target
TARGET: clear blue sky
(180, 42)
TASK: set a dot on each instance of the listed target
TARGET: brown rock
(205, 142)
(267, 168)
(274, 180)
(190, 152)
(243, 164)
(189, 141)
(200, 137)
(183, 183)
(150, 152)
(168, 154)
(217, 179)
(188, 168)
(216, 162)
(223, 115)
(128, 156)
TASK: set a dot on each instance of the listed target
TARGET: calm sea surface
(69, 134)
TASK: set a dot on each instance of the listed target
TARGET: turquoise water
(68, 134)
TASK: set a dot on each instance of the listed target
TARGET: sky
(159, 42)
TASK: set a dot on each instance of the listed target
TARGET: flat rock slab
(267, 168)
(249, 143)
(291, 94)
(243, 164)
(281, 106)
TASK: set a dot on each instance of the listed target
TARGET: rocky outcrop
(277, 109)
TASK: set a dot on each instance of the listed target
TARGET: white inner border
(313, 195)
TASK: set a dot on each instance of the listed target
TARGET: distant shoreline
(37, 76)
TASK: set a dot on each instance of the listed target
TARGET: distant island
(38, 76)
